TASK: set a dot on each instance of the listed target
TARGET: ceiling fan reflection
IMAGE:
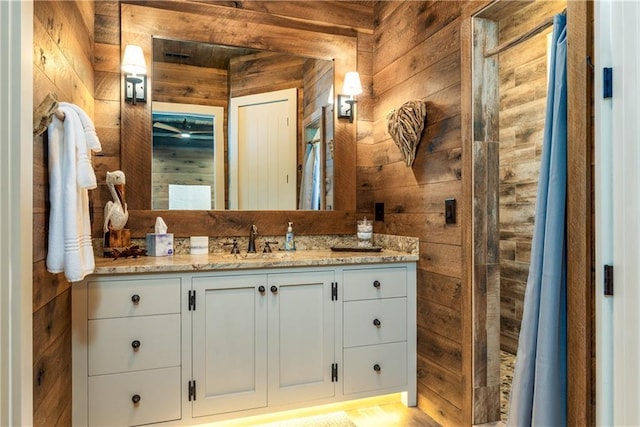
(184, 132)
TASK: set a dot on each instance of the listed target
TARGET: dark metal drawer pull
(135, 344)
(261, 289)
(274, 289)
(376, 323)
(377, 368)
(135, 399)
(135, 299)
(376, 284)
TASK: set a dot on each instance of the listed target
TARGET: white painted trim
(603, 218)
(218, 127)
(289, 95)
(618, 226)
(16, 212)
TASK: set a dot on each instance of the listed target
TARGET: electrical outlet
(379, 211)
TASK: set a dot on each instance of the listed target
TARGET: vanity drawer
(375, 321)
(112, 343)
(360, 374)
(374, 283)
(111, 398)
(134, 297)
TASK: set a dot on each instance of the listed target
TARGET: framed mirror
(141, 25)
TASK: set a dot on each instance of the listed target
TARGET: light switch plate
(450, 211)
(379, 211)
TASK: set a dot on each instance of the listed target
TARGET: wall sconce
(135, 74)
(347, 101)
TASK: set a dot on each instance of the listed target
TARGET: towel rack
(42, 115)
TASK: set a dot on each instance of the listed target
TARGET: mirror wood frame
(236, 27)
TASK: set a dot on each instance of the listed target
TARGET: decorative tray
(356, 249)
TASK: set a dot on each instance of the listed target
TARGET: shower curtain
(539, 389)
(310, 186)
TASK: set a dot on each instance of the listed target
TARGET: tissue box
(159, 244)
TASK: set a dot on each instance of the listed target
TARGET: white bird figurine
(115, 212)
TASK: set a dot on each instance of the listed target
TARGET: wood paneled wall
(63, 63)
(523, 97)
(417, 56)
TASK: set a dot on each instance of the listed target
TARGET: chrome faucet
(253, 232)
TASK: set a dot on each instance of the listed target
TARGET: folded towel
(70, 248)
(90, 134)
(85, 174)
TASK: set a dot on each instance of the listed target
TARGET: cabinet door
(229, 344)
(301, 336)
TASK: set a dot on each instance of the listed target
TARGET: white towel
(70, 248)
(89, 129)
(86, 176)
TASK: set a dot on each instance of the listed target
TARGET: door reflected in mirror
(188, 157)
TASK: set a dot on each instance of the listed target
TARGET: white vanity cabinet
(192, 347)
(375, 340)
(129, 330)
(261, 339)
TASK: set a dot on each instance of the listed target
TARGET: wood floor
(390, 415)
(383, 411)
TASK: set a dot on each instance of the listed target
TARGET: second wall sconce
(347, 100)
(135, 74)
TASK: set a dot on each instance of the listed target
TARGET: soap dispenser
(289, 242)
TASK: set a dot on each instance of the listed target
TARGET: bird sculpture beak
(120, 193)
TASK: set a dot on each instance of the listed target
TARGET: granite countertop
(226, 261)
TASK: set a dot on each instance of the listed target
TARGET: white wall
(16, 178)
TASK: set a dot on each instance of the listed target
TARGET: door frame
(580, 257)
(217, 113)
(16, 213)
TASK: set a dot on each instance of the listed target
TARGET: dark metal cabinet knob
(135, 399)
(135, 344)
(135, 299)
(274, 289)
(376, 284)
(261, 289)
(377, 368)
(376, 323)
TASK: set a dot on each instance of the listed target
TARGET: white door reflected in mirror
(263, 151)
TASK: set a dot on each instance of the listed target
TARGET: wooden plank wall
(187, 163)
(63, 63)
(417, 56)
(523, 97)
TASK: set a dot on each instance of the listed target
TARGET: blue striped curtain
(539, 389)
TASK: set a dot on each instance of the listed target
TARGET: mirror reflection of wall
(188, 157)
(211, 75)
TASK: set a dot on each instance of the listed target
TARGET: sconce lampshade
(352, 85)
(133, 61)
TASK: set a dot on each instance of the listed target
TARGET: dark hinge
(192, 390)
(607, 82)
(192, 300)
(608, 280)
(334, 291)
(334, 372)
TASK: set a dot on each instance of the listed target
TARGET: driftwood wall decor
(405, 126)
